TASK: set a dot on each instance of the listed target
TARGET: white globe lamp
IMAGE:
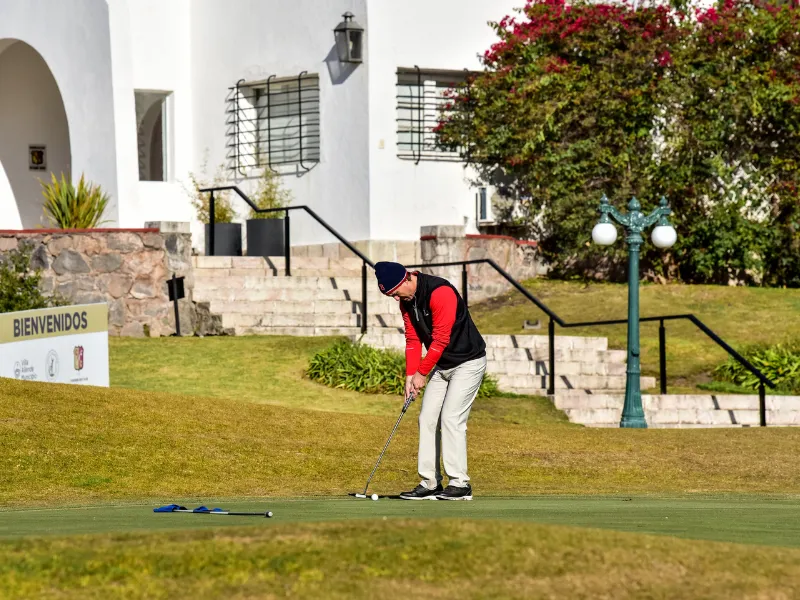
(604, 234)
(664, 236)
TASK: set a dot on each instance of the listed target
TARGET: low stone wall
(128, 269)
(448, 243)
(404, 252)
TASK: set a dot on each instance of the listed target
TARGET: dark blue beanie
(390, 275)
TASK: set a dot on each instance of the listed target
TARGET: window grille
(420, 98)
(276, 123)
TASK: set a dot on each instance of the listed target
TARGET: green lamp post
(664, 236)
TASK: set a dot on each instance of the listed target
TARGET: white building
(138, 94)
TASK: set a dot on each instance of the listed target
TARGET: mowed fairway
(560, 510)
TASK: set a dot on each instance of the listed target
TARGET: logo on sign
(78, 358)
(17, 370)
(51, 365)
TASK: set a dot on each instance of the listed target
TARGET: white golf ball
(374, 496)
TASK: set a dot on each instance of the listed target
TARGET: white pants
(446, 403)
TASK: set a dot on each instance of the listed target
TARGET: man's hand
(409, 386)
(418, 382)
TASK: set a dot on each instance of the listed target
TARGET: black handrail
(554, 318)
(287, 239)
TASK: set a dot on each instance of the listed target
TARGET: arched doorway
(34, 134)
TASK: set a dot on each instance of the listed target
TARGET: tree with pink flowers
(703, 106)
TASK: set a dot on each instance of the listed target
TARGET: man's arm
(413, 350)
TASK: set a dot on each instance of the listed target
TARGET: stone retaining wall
(128, 269)
(405, 252)
(449, 243)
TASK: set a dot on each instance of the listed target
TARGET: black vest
(466, 343)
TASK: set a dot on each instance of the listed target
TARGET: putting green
(752, 520)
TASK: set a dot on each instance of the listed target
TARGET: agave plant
(68, 207)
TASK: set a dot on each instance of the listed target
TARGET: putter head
(360, 495)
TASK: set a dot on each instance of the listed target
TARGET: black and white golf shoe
(452, 492)
(421, 493)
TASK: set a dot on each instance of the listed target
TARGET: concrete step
(687, 418)
(291, 294)
(682, 402)
(533, 342)
(298, 331)
(204, 281)
(529, 384)
(662, 411)
(308, 307)
(291, 320)
(540, 368)
(561, 355)
(276, 265)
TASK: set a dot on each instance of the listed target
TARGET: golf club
(267, 514)
(202, 510)
(406, 404)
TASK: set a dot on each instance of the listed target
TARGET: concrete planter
(227, 239)
(265, 237)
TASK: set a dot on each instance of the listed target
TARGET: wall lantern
(349, 40)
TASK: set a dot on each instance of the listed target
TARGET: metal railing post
(211, 225)
(762, 404)
(662, 357)
(551, 337)
(287, 244)
(464, 288)
(364, 297)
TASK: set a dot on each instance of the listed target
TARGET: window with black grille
(276, 123)
(420, 100)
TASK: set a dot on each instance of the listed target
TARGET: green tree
(20, 284)
(584, 99)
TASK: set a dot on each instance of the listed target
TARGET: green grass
(269, 370)
(393, 559)
(747, 520)
(560, 510)
(741, 316)
(78, 444)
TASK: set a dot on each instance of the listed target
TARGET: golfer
(436, 316)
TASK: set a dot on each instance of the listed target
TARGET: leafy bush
(270, 194)
(201, 201)
(365, 369)
(19, 284)
(68, 207)
(780, 363)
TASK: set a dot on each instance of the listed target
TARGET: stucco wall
(446, 34)
(161, 61)
(31, 112)
(72, 36)
(253, 39)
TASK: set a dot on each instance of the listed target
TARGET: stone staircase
(682, 411)
(251, 296)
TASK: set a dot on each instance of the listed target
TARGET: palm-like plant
(70, 207)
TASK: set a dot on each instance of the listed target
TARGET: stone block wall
(405, 252)
(128, 269)
(448, 243)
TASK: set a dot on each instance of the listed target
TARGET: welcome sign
(67, 344)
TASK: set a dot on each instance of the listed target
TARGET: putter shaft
(406, 404)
